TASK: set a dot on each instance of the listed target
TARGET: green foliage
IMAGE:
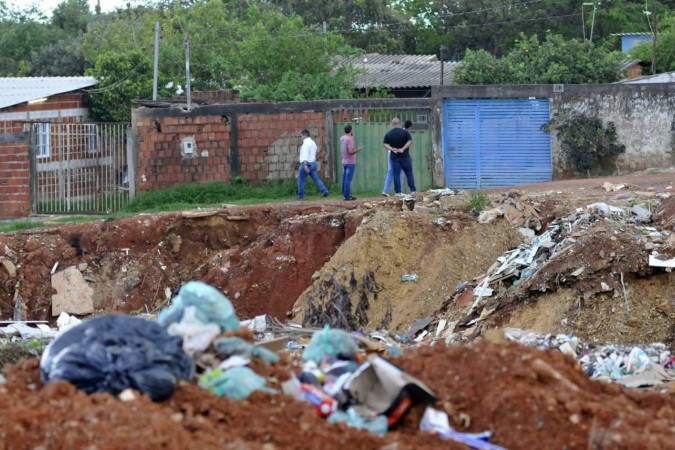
(586, 145)
(71, 16)
(478, 201)
(61, 59)
(122, 77)
(665, 47)
(191, 195)
(555, 60)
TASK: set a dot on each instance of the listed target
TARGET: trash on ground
(408, 277)
(237, 383)
(114, 353)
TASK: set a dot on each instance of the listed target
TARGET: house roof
(643, 33)
(14, 91)
(400, 71)
(667, 77)
(629, 63)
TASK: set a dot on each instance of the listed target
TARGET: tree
(71, 16)
(665, 46)
(556, 60)
(121, 77)
(61, 59)
(372, 25)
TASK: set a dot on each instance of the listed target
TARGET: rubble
(73, 294)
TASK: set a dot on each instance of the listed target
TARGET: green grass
(20, 225)
(478, 201)
(239, 191)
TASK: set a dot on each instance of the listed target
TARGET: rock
(175, 241)
(578, 272)
(73, 294)
(490, 215)
(607, 186)
(368, 205)
(9, 267)
(513, 215)
(82, 266)
(605, 287)
(526, 233)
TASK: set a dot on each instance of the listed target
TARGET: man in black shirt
(398, 141)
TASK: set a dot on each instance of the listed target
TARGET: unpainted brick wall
(266, 147)
(55, 102)
(14, 173)
(269, 143)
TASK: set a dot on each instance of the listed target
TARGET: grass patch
(20, 225)
(478, 201)
(238, 191)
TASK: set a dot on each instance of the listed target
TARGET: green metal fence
(371, 163)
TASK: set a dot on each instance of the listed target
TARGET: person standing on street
(308, 166)
(348, 161)
(398, 141)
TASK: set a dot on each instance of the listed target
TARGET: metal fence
(78, 167)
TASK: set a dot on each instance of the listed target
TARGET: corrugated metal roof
(643, 33)
(628, 64)
(400, 71)
(14, 91)
(668, 77)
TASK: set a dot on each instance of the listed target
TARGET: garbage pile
(632, 366)
(527, 265)
(518, 210)
(200, 337)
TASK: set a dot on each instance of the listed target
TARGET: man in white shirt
(308, 166)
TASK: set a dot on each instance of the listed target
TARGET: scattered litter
(654, 261)
(329, 342)
(237, 383)
(211, 306)
(408, 277)
(437, 422)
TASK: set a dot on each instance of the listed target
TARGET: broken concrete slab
(656, 262)
(73, 294)
(9, 267)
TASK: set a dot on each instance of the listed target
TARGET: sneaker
(325, 194)
(413, 193)
(384, 194)
(399, 194)
(350, 198)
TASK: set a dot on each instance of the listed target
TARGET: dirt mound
(527, 398)
(392, 244)
(261, 256)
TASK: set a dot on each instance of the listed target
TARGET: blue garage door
(496, 142)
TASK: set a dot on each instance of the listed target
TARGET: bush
(585, 144)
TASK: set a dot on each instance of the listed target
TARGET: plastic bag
(236, 383)
(230, 346)
(197, 335)
(377, 425)
(114, 353)
(211, 306)
(328, 342)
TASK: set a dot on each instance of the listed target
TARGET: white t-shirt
(308, 150)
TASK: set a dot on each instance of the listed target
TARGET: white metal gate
(78, 168)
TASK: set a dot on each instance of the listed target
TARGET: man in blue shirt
(398, 140)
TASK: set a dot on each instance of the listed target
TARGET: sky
(47, 6)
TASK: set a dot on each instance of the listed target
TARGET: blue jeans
(390, 175)
(403, 163)
(347, 176)
(302, 175)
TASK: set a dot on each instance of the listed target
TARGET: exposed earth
(343, 263)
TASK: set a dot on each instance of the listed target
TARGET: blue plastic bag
(236, 383)
(114, 353)
(377, 425)
(230, 346)
(211, 305)
(329, 342)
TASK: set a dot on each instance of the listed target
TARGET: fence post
(131, 161)
(32, 169)
(331, 157)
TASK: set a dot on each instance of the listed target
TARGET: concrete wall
(258, 141)
(644, 115)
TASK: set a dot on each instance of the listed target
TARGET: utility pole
(442, 51)
(156, 68)
(595, 5)
(656, 21)
(187, 73)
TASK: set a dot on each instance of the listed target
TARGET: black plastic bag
(113, 353)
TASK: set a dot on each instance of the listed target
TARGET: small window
(91, 136)
(422, 118)
(43, 149)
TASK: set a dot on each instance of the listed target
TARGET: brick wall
(258, 147)
(14, 172)
(62, 101)
(161, 162)
(269, 143)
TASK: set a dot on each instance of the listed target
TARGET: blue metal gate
(496, 142)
